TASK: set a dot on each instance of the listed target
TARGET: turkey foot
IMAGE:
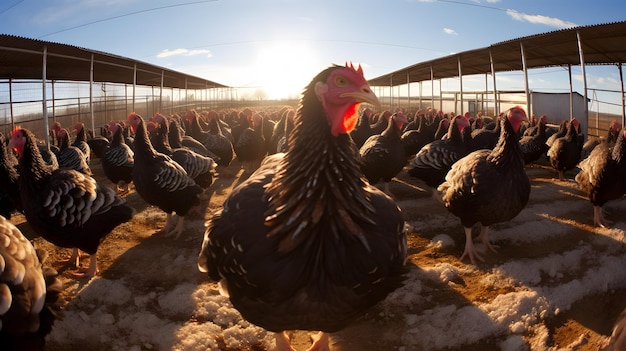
(88, 272)
(484, 237)
(470, 250)
(74, 259)
(320, 342)
(282, 342)
(598, 218)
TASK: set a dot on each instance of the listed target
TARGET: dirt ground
(131, 250)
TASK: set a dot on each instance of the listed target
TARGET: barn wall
(556, 107)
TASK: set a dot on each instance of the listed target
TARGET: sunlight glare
(284, 69)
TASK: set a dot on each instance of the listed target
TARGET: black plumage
(363, 129)
(280, 134)
(484, 138)
(282, 234)
(70, 156)
(602, 176)
(415, 139)
(80, 141)
(9, 193)
(200, 168)
(218, 144)
(160, 181)
(118, 160)
(488, 186)
(433, 161)
(64, 206)
(383, 156)
(564, 153)
(533, 145)
(98, 145)
(612, 134)
(250, 146)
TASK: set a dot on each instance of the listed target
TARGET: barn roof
(601, 44)
(22, 58)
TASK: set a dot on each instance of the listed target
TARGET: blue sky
(282, 44)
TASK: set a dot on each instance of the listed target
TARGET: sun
(284, 68)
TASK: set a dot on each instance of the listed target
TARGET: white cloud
(539, 19)
(185, 52)
(450, 31)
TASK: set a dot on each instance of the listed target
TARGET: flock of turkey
(306, 241)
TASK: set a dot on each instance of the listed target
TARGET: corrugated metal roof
(22, 58)
(601, 44)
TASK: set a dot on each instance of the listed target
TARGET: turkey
(282, 234)
(29, 292)
(485, 138)
(380, 124)
(488, 186)
(200, 168)
(218, 144)
(81, 141)
(217, 126)
(64, 206)
(280, 134)
(250, 147)
(612, 135)
(564, 154)
(601, 176)
(363, 129)
(555, 134)
(177, 139)
(70, 156)
(160, 181)
(415, 139)
(533, 125)
(533, 144)
(383, 155)
(118, 160)
(98, 145)
(442, 129)
(9, 193)
(434, 160)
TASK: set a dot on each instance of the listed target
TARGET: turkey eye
(340, 81)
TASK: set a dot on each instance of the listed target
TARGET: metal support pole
(134, 85)
(44, 98)
(11, 103)
(585, 117)
(526, 90)
(161, 92)
(461, 84)
(496, 108)
(571, 92)
(621, 84)
(408, 91)
(420, 96)
(93, 127)
(432, 88)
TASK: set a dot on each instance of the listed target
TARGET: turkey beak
(364, 95)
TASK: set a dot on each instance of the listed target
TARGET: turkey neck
(318, 187)
(143, 145)
(81, 136)
(118, 138)
(507, 152)
(617, 154)
(32, 168)
(392, 129)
